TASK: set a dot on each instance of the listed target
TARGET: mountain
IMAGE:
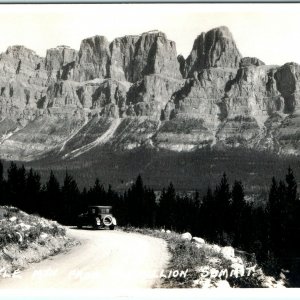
(136, 92)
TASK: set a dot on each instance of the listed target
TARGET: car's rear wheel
(111, 227)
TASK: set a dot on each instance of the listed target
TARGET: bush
(10, 231)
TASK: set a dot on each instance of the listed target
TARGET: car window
(92, 210)
(105, 210)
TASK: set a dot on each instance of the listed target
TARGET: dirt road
(105, 259)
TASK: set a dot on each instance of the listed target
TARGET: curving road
(105, 259)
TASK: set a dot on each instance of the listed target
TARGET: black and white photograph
(149, 147)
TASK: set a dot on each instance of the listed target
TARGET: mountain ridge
(214, 98)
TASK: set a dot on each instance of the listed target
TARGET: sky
(269, 32)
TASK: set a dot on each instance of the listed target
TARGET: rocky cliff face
(57, 60)
(288, 84)
(92, 59)
(136, 92)
(151, 95)
(215, 48)
(133, 57)
(23, 81)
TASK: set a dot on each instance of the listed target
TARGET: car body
(97, 217)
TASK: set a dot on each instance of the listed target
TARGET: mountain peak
(223, 30)
(17, 49)
(154, 32)
(215, 48)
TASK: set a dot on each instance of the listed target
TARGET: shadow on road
(89, 228)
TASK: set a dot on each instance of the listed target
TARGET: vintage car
(97, 217)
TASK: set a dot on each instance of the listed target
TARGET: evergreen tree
(12, 182)
(1, 172)
(149, 208)
(245, 235)
(281, 238)
(51, 201)
(290, 217)
(195, 214)
(167, 204)
(141, 204)
(124, 207)
(71, 200)
(277, 208)
(96, 194)
(207, 216)
(237, 208)
(111, 196)
(16, 183)
(184, 214)
(291, 187)
(135, 195)
(274, 213)
(259, 228)
(32, 192)
(84, 200)
(2, 185)
(238, 195)
(197, 200)
(222, 197)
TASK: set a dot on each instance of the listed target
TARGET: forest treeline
(222, 215)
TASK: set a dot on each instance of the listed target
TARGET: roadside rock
(236, 260)
(216, 248)
(186, 236)
(198, 240)
(222, 284)
(227, 252)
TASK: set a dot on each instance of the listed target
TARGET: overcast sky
(267, 31)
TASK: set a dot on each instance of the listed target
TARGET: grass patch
(201, 259)
(25, 239)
